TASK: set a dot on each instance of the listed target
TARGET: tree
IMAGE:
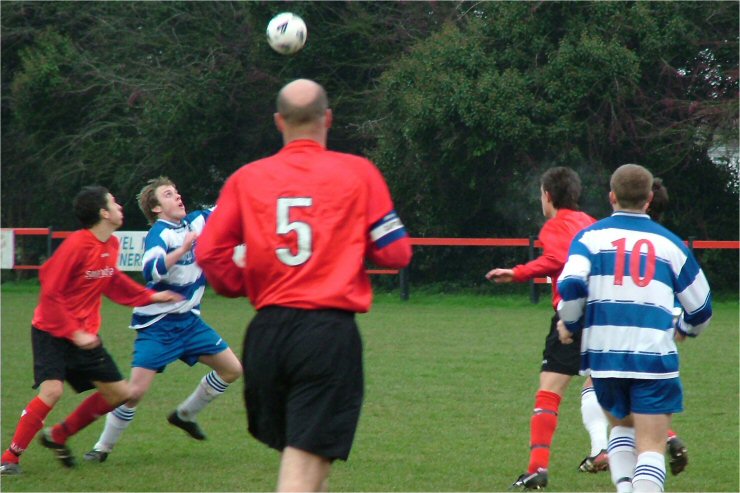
(119, 92)
(480, 109)
(461, 104)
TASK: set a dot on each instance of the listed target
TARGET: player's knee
(135, 393)
(231, 373)
(117, 393)
(51, 394)
(228, 367)
(121, 397)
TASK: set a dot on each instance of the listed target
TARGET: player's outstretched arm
(500, 275)
(166, 297)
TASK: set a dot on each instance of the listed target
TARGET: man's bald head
(302, 102)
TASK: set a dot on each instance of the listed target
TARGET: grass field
(449, 391)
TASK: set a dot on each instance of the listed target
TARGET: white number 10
(303, 231)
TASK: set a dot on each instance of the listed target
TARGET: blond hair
(147, 197)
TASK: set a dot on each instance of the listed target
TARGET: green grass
(449, 391)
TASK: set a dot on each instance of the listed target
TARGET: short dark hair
(660, 201)
(87, 204)
(564, 186)
(631, 184)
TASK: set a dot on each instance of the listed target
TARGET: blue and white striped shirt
(185, 277)
(619, 285)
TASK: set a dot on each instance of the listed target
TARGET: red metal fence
(531, 243)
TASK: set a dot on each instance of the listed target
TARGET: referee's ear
(279, 122)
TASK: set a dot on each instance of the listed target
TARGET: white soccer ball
(286, 33)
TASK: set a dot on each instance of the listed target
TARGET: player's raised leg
(108, 396)
(120, 418)
(678, 454)
(226, 369)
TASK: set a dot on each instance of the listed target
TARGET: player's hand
(678, 336)
(565, 336)
(85, 340)
(240, 255)
(189, 241)
(500, 275)
(166, 296)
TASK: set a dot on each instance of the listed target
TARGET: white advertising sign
(7, 249)
(132, 249)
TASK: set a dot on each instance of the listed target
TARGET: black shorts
(303, 379)
(56, 358)
(558, 357)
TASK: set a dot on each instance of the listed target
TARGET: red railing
(501, 242)
(470, 242)
(497, 242)
(531, 242)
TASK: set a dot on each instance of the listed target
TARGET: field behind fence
(450, 381)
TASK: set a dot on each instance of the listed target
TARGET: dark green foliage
(483, 107)
(118, 92)
(463, 105)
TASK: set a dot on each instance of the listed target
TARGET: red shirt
(309, 218)
(556, 235)
(72, 281)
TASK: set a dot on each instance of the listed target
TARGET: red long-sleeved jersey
(72, 280)
(309, 218)
(556, 235)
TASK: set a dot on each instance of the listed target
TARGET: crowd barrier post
(403, 276)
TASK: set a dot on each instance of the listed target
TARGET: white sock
(116, 422)
(622, 457)
(210, 387)
(624, 486)
(649, 472)
(594, 420)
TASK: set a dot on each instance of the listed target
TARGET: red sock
(542, 428)
(671, 434)
(32, 420)
(91, 409)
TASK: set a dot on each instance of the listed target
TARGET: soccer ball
(286, 33)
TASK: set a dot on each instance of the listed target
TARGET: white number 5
(303, 231)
